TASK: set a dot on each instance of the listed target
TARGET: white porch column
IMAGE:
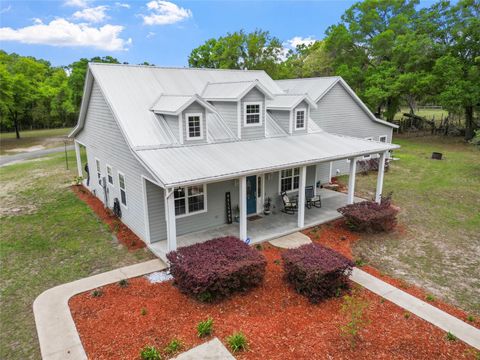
(242, 205)
(301, 197)
(170, 220)
(381, 173)
(351, 180)
(79, 158)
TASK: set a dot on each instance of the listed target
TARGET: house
(183, 150)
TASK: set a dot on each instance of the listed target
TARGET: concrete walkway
(291, 241)
(465, 332)
(6, 159)
(211, 350)
(57, 334)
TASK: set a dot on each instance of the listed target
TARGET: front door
(251, 195)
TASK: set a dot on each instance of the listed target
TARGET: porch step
(291, 241)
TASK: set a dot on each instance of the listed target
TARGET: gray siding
(228, 111)
(104, 140)
(173, 124)
(253, 132)
(282, 118)
(194, 108)
(302, 105)
(156, 212)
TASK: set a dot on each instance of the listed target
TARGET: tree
(239, 50)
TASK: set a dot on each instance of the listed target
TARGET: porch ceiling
(184, 165)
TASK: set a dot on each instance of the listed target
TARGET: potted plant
(267, 206)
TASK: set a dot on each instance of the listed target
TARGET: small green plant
(360, 262)
(77, 180)
(276, 262)
(353, 307)
(205, 328)
(143, 311)
(470, 318)
(96, 293)
(237, 341)
(259, 247)
(174, 346)
(150, 353)
(382, 300)
(430, 297)
(123, 283)
(205, 296)
(407, 315)
(450, 337)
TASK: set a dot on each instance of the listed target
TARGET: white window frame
(383, 137)
(304, 118)
(98, 169)
(107, 167)
(260, 121)
(292, 177)
(187, 212)
(369, 155)
(187, 129)
(124, 188)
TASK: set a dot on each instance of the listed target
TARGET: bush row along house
(169, 144)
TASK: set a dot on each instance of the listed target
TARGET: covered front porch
(265, 228)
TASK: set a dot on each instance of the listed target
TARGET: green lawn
(46, 138)
(439, 246)
(48, 237)
(430, 114)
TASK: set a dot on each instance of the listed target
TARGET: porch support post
(301, 197)
(242, 205)
(170, 220)
(79, 158)
(351, 180)
(381, 173)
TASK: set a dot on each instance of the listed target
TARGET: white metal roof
(167, 104)
(288, 101)
(232, 90)
(314, 87)
(213, 162)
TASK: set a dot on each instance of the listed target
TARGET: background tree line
(389, 51)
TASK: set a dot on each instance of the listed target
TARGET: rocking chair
(289, 206)
(311, 199)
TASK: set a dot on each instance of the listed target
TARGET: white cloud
(61, 32)
(298, 40)
(77, 3)
(124, 5)
(150, 34)
(92, 15)
(6, 9)
(165, 13)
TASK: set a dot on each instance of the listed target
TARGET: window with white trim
(383, 138)
(252, 114)
(300, 119)
(123, 189)
(109, 175)
(194, 126)
(369, 155)
(189, 200)
(99, 171)
(289, 179)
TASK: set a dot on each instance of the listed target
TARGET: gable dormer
(241, 104)
(291, 112)
(186, 116)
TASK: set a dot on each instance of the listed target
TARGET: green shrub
(450, 337)
(353, 307)
(237, 341)
(470, 318)
(123, 283)
(430, 297)
(205, 328)
(174, 346)
(150, 353)
(143, 311)
(96, 293)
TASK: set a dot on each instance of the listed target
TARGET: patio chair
(289, 206)
(311, 199)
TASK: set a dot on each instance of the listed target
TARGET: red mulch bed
(279, 323)
(124, 235)
(337, 236)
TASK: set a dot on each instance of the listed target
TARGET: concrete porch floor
(268, 227)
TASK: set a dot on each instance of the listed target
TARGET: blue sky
(160, 32)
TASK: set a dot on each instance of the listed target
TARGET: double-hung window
(123, 189)
(252, 112)
(289, 179)
(109, 175)
(383, 138)
(189, 200)
(98, 168)
(194, 126)
(300, 115)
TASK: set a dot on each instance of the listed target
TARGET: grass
(47, 138)
(51, 239)
(430, 114)
(438, 241)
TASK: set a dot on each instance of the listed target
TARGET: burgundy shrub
(216, 268)
(370, 216)
(316, 272)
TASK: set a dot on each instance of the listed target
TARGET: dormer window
(300, 119)
(194, 126)
(252, 114)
